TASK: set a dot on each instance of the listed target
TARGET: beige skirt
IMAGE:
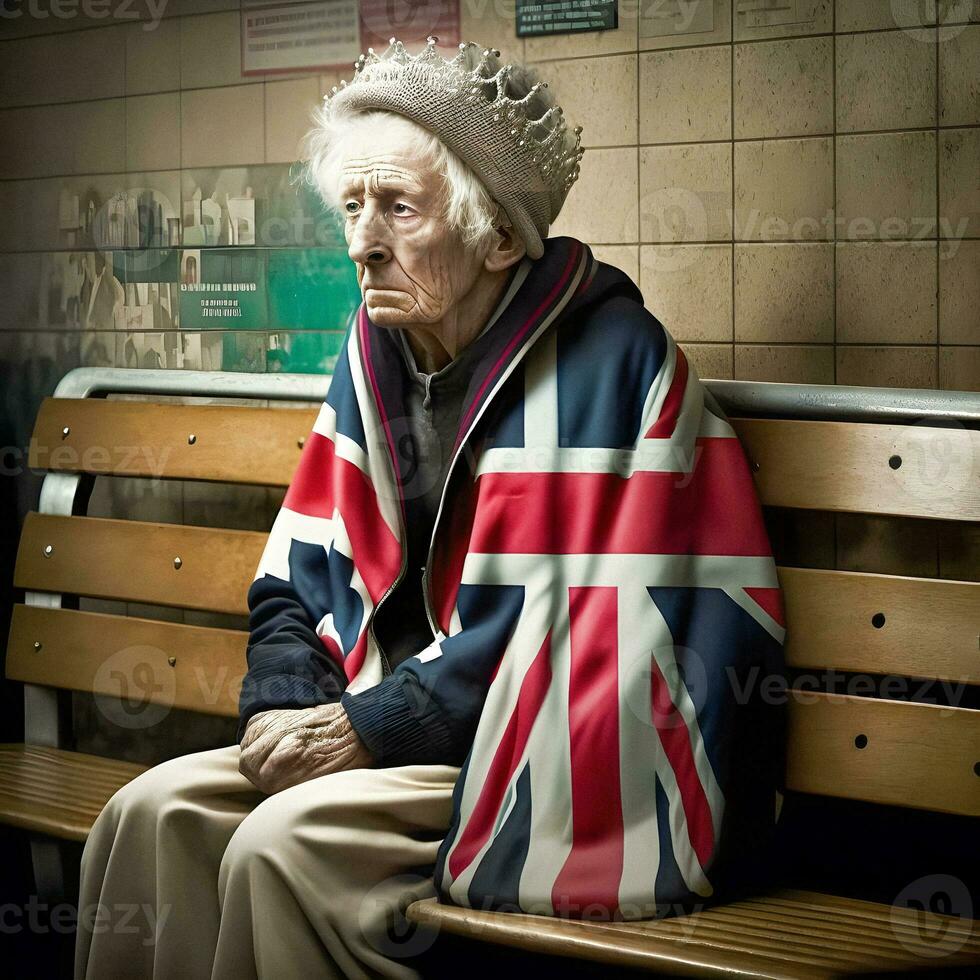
(191, 872)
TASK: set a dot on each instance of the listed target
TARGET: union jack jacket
(602, 595)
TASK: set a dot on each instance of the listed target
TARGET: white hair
(469, 208)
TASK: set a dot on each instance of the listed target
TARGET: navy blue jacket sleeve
(288, 666)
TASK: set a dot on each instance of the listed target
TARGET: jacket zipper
(426, 573)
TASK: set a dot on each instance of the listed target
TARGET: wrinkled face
(411, 268)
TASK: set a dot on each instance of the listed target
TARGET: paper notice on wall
(285, 37)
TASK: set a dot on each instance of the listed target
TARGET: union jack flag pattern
(603, 597)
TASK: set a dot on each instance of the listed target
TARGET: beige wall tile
(153, 58)
(288, 117)
(959, 78)
(601, 205)
(887, 367)
(871, 15)
(959, 368)
(784, 88)
(786, 363)
(491, 24)
(210, 50)
(782, 20)
(959, 186)
(82, 138)
(70, 67)
(885, 80)
(20, 287)
(886, 293)
(686, 192)
(784, 293)
(153, 131)
(710, 360)
(784, 189)
(886, 185)
(581, 44)
(221, 127)
(959, 293)
(625, 257)
(685, 95)
(30, 214)
(958, 11)
(599, 94)
(887, 545)
(678, 25)
(689, 289)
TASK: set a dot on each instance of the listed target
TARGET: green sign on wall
(536, 17)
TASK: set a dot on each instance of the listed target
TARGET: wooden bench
(823, 448)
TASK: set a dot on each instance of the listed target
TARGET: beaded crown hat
(527, 158)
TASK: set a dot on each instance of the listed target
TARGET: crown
(522, 149)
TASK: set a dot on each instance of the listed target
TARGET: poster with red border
(282, 37)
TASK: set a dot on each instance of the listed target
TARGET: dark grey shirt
(425, 439)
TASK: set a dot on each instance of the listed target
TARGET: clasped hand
(285, 746)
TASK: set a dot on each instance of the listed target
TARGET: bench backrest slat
(129, 657)
(136, 561)
(231, 444)
(902, 470)
(882, 624)
(913, 755)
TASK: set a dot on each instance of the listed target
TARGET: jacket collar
(561, 283)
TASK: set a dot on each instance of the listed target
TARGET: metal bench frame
(46, 716)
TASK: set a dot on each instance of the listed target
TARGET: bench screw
(64, 432)
(191, 439)
(301, 441)
(37, 644)
(755, 466)
(894, 462)
(177, 562)
(48, 551)
(172, 661)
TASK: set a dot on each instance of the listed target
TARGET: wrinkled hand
(285, 746)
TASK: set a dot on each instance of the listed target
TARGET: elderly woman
(494, 625)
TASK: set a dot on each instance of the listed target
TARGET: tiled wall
(796, 185)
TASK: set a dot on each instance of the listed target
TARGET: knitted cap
(527, 163)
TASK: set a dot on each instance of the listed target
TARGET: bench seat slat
(877, 920)
(84, 651)
(232, 444)
(930, 625)
(718, 941)
(93, 556)
(850, 466)
(34, 793)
